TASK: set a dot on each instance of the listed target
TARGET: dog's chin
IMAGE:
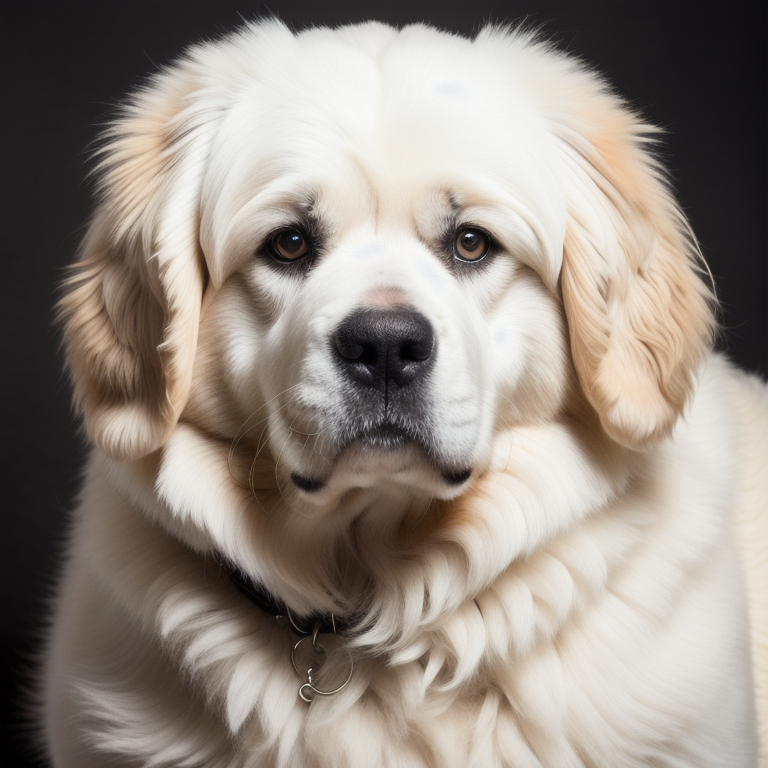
(385, 455)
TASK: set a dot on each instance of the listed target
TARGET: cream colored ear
(131, 306)
(639, 316)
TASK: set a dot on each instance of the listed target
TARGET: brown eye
(471, 245)
(288, 245)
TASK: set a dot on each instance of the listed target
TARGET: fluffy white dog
(410, 448)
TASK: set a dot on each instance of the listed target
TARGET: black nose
(380, 347)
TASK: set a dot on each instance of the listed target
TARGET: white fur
(579, 601)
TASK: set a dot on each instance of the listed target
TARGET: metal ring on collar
(308, 685)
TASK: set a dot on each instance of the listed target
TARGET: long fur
(594, 594)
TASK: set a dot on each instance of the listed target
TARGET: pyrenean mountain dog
(410, 446)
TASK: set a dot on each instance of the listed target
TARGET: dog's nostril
(353, 350)
(417, 350)
(378, 347)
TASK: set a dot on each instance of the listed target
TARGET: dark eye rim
(271, 248)
(489, 243)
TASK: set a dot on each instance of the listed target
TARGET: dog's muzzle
(385, 357)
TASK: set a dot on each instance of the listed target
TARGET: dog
(410, 445)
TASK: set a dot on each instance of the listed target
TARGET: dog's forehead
(412, 105)
(375, 131)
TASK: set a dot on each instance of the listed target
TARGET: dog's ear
(639, 315)
(131, 305)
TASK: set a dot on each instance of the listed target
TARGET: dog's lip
(385, 438)
(453, 478)
(457, 477)
(307, 484)
(390, 437)
(314, 485)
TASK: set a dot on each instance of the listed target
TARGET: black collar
(263, 599)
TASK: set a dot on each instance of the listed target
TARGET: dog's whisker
(234, 445)
(255, 491)
(304, 434)
(269, 402)
(262, 443)
(497, 413)
(260, 446)
(247, 427)
(495, 410)
(423, 514)
(277, 479)
(245, 430)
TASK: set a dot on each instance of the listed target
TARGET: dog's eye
(471, 245)
(288, 245)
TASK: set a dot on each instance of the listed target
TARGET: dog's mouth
(314, 485)
(381, 440)
(384, 437)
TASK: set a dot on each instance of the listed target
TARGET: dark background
(698, 69)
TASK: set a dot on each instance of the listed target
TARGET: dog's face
(361, 255)
(377, 313)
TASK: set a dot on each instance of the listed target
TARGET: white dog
(410, 446)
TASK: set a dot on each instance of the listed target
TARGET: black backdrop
(698, 69)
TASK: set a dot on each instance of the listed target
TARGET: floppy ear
(639, 316)
(131, 305)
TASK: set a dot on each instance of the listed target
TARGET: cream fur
(594, 593)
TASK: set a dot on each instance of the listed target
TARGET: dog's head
(365, 253)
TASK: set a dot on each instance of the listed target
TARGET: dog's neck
(265, 601)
